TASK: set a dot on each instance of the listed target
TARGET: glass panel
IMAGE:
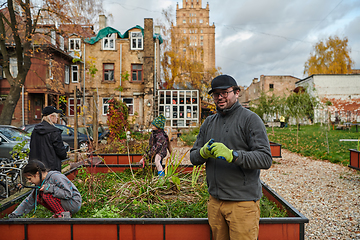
(75, 77)
(194, 97)
(77, 47)
(106, 43)
(188, 97)
(167, 111)
(137, 67)
(180, 123)
(174, 123)
(168, 97)
(161, 110)
(181, 95)
(161, 94)
(194, 111)
(111, 75)
(181, 112)
(128, 100)
(175, 113)
(175, 98)
(188, 112)
(108, 66)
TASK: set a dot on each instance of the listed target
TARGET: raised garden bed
(354, 159)
(291, 227)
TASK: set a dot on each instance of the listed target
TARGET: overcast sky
(259, 37)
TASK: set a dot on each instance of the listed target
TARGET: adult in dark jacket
(239, 149)
(46, 144)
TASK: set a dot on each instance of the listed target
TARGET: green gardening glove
(219, 150)
(205, 151)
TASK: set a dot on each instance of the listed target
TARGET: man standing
(238, 150)
(46, 144)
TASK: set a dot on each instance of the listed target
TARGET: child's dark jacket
(158, 144)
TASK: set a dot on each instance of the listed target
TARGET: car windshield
(14, 134)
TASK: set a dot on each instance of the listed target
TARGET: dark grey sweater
(244, 132)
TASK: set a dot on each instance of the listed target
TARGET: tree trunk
(10, 105)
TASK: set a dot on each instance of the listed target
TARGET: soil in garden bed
(141, 194)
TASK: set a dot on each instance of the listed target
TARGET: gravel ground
(327, 194)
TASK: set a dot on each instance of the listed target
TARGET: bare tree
(20, 28)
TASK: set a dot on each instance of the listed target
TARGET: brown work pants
(234, 220)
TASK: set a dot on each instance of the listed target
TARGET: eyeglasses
(222, 94)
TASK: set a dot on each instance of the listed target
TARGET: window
(74, 44)
(109, 42)
(184, 30)
(53, 37)
(50, 68)
(105, 106)
(72, 106)
(67, 74)
(136, 71)
(74, 73)
(130, 104)
(201, 21)
(271, 86)
(184, 21)
(13, 67)
(136, 41)
(108, 72)
(61, 39)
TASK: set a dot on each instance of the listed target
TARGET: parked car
(67, 135)
(9, 137)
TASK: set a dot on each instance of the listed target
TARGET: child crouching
(54, 191)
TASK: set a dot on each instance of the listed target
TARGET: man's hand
(219, 150)
(205, 151)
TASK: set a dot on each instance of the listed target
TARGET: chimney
(255, 80)
(102, 21)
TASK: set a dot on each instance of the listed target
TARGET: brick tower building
(192, 26)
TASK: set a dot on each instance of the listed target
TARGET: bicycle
(11, 175)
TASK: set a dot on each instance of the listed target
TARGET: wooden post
(75, 125)
(95, 122)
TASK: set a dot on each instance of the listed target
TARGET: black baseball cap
(222, 82)
(49, 110)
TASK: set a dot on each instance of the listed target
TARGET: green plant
(18, 150)
(189, 137)
(117, 119)
(140, 195)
